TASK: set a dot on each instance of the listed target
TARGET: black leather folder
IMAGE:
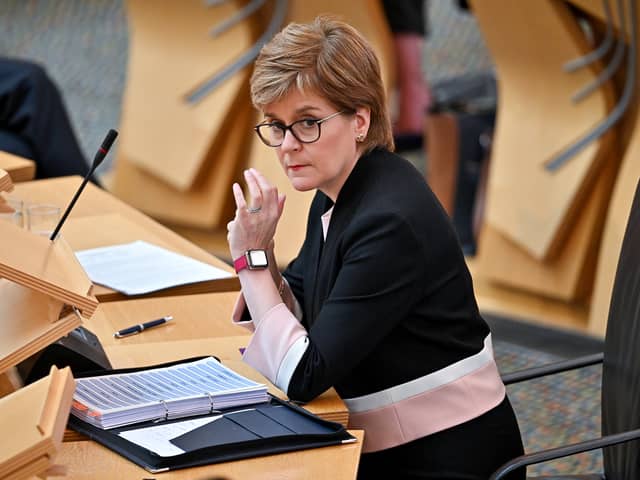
(267, 428)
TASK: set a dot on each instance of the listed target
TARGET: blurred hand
(254, 224)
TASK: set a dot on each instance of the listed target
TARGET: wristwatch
(252, 259)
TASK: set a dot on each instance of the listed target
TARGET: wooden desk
(91, 461)
(194, 317)
(20, 169)
(99, 219)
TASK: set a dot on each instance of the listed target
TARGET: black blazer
(387, 298)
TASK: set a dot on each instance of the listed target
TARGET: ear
(362, 121)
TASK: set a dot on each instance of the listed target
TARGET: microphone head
(104, 148)
(109, 139)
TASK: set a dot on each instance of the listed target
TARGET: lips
(295, 167)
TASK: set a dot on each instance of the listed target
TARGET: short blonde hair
(332, 59)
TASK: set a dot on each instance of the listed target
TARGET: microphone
(97, 160)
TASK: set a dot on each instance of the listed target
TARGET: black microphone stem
(100, 155)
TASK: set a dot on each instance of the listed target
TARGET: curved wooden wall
(555, 235)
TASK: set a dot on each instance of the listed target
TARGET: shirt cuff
(238, 313)
(277, 345)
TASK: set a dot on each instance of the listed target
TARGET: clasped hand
(254, 224)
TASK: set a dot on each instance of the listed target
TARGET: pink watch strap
(240, 263)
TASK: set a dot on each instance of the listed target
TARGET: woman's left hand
(254, 225)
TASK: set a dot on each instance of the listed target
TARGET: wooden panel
(49, 267)
(529, 42)
(20, 169)
(620, 204)
(29, 323)
(35, 415)
(209, 202)
(6, 182)
(368, 18)
(170, 53)
(6, 185)
(569, 275)
(527, 307)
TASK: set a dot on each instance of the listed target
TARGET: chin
(302, 185)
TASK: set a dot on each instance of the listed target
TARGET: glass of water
(43, 218)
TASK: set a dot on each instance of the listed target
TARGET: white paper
(139, 267)
(106, 394)
(157, 438)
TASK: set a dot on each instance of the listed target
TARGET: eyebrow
(299, 111)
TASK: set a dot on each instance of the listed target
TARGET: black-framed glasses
(306, 130)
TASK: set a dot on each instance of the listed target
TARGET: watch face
(257, 258)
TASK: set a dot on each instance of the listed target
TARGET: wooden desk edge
(231, 284)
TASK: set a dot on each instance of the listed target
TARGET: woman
(379, 303)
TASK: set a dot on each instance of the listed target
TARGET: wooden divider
(542, 229)
(569, 275)
(586, 261)
(621, 198)
(48, 267)
(34, 418)
(20, 169)
(6, 185)
(171, 52)
(38, 278)
(529, 43)
(209, 203)
(176, 159)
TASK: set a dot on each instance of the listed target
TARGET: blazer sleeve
(378, 284)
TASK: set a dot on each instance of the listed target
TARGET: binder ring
(166, 409)
(211, 408)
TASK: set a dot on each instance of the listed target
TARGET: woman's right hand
(256, 218)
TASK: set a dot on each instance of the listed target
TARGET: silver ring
(254, 209)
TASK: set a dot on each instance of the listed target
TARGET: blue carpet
(554, 411)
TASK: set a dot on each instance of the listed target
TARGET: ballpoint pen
(142, 326)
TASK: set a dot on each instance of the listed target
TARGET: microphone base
(80, 350)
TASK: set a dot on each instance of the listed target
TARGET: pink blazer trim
(273, 337)
(435, 410)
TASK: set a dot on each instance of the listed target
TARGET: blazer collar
(349, 198)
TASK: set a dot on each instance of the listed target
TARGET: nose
(289, 142)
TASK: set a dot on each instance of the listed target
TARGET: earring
(360, 138)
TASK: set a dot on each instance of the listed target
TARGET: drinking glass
(43, 218)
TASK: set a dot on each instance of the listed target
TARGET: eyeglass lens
(304, 130)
